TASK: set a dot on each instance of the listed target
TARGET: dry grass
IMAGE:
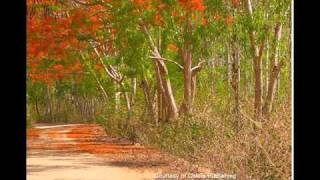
(209, 139)
(252, 152)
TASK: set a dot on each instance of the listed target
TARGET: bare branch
(115, 72)
(198, 67)
(111, 74)
(149, 37)
(174, 62)
(249, 7)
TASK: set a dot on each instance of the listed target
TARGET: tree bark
(193, 87)
(48, 104)
(187, 77)
(235, 82)
(257, 53)
(169, 99)
(258, 88)
(117, 97)
(229, 70)
(235, 78)
(266, 71)
(212, 66)
(160, 92)
(148, 100)
(37, 108)
(275, 68)
(134, 90)
(162, 78)
(128, 103)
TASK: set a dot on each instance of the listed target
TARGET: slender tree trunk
(271, 91)
(162, 76)
(127, 99)
(235, 82)
(117, 98)
(134, 90)
(278, 84)
(166, 104)
(193, 87)
(126, 95)
(58, 104)
(37, 108)
(257, 52)
(258, 89)
(258, 82)
(159, 98)
(275, 68)
(266, 72)
(104, 93)
(245, 86)
(212, 77)
(148, 100)
(170, 101)
(187, 75)
(48, 104)
(229, 70)
(165, 112)
(250, 81)
(160, 92)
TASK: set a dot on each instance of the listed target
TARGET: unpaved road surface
(85, 152)
(80, 167)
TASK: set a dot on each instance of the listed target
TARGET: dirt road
(85, 152)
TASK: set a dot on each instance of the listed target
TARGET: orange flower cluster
(173, 48)
(235, 3)
(54, 38)
(144, 4)
(174, 13)
(204, 22)
(47, 78)
(217, 17)
(52, 73)
(99, 67)
(158, 20)
(229, 20)
(196, 5)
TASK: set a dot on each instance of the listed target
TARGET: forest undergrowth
(210, 139)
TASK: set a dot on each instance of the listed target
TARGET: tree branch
(148, 35)
(111, 74)
(198, 67)
(174, 62)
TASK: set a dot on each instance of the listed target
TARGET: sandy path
(80, 167)
(77, 152)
